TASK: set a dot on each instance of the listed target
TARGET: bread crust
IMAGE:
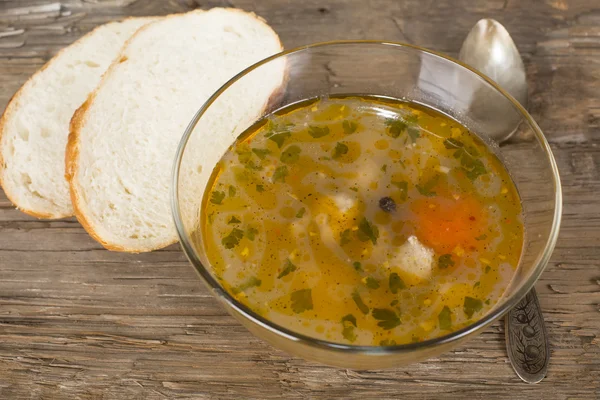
(10, 110)
(78, 121)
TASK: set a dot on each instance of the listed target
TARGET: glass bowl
(376, 68)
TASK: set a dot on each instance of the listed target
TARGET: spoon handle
(527, 340)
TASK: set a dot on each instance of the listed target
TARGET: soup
(362, 220)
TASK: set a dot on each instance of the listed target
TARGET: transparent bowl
(376, 68)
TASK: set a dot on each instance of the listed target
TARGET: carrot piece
(445, 224)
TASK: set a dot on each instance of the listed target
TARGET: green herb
(290, 155)
(280, 174)
(211, 218)
(287, 269)
(387, 342)
(318, 132)
(339, 150)
(384, 168)
(477, 284)
(232, 191)
(476, 170)
(372, 283)
(367, 231)
(250, 283)
(445, 319)
(359, 302)
(217, 197)
(349, 323)
(357, 266)
(261, 153)
(233, 239)
(243, 152)
(396, 283)
(414, 133)
(260, 188)
(302, 300)
(395, 127)
(349, 127)
(445, 261)
(481, 237)
(300, 212)
(472, 167)
(251, 233)
(403, 186)
(427, 188)
(471, 306)
(388, 319)
(345, 237)
(251, 165)
(394, 303)
(233, 220)
(354, 189)
(451, 143)
(487, 269)
(349, 318)
(279, 138)
(487, 302)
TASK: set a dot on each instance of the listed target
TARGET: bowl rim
(453, 337)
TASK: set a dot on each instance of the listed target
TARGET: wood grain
(79, 322)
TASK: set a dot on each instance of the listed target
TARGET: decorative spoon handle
(527, 340)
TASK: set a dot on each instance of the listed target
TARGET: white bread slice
(35, 125)
(123, 140)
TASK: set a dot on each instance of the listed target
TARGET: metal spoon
(490, 49)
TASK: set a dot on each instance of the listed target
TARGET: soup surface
(362, 220)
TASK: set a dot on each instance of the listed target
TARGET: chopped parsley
(251, 233)
(445, 319)
(233, 220)
(280, 138)
(471, 306)
(217, 197)
(302, 300)
(396, 283)
(388, 319)
(260, 188)
(372, 283)
(481, 237)
(345, 237)
(427, 188)
(445, 261)
(487, 269)
(300, 212)
(290, 155)
(250, 283)
(232, 191)
(471, 165)
(318, 132)
(288, 268)
(357, 265)
(395, 127)
(349, 323)
(360, 303)
(280, 174)
(349, 127)
(384, 168)
(261, 153)
(233, 239)
(367, 231)
(403, 187)
(339, 150)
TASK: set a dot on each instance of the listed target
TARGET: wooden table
(77, 321)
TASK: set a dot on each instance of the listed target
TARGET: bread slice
(123, 140)
(35, 125)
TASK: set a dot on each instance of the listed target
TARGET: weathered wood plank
(77, 321)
